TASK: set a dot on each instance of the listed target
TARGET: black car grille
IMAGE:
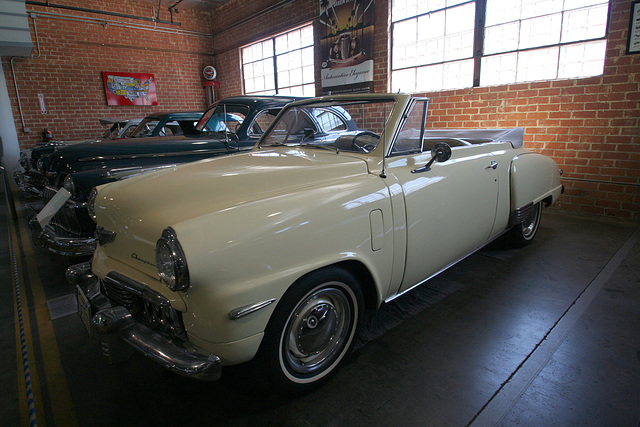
(48, 193)
(144, 304)
(72, 219)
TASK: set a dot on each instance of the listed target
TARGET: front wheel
(312, 330)
(522, 234)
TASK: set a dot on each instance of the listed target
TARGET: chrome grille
(48, 193)
(144, 304)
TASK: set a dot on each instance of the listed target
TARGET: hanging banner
(129, 88)
(347, 46)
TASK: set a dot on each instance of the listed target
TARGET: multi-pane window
(280, 65)
(441, 44)
(432, 45)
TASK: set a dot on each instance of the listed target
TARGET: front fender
(255, 251)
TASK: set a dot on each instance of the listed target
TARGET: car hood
(139, 208)
(69, 156)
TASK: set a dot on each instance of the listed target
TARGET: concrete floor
(544, 335)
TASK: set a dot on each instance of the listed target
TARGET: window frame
(274, 59)
(478, 44)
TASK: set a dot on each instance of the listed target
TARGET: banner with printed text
(129, 88)
(347, 46)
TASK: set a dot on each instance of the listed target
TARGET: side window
(262, 121)
(329, 121)
(410, 138)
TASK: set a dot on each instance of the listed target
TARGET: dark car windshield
(223, 118)
(348, 126)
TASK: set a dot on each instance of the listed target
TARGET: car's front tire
(312, 330)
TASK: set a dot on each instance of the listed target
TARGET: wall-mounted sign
(347, 46)
(129, 88)
(633, 44)
(209, 72)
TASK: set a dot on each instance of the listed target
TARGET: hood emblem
(137, 258)
(103, 236)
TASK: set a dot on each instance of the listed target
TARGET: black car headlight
(70, 186)
(41, 165)
(91, 203)
(24, 161)
(171, 261)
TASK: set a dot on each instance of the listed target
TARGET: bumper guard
(116, 325)
(56, 241)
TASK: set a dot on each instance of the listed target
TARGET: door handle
(493, 165)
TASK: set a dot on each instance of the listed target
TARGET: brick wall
(589, 126)
(73, 55)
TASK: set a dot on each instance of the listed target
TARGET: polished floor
(547, 335)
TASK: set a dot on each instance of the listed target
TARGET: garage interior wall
(589, 126)
(73, 48)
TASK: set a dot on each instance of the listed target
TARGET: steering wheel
(364, 146)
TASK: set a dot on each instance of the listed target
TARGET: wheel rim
(318, 331)
(530, 226)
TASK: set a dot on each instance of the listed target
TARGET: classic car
(31, 181)
(234, 124)
(167, 124)
(118, 128)
(272, 255)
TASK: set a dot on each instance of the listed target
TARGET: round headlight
(91, 203)
(40, 165)
(69, 186)
(171, 262)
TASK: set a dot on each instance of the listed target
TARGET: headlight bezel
(69, 185)
(91, 203)
(171, 261)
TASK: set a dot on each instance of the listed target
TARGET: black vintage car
(32, 181)
(233, 124)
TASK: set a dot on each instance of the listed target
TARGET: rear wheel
(522, 234)
(312, 330)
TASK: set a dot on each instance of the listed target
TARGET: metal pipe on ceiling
(100, 12)
(103, 22)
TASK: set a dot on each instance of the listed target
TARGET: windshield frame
(336, 102)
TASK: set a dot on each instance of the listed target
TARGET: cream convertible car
(345, 203)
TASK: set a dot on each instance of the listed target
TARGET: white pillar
(8, 132)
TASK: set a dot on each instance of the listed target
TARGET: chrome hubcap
(318, 330)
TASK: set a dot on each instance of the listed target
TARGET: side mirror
(308, 134)
(440, 152)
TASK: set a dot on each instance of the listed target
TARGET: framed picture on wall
(129, 88)
(633, 44)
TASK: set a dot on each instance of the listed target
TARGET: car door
(450, 209)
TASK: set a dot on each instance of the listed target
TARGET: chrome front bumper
(57, 241)
(31, 183)
(116, 325)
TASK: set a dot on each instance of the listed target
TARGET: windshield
(114, 131)
(223, 118)
(354, 126)
(145, 128)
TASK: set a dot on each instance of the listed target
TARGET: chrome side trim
(155, 155)
(248, 309)
(392, 297)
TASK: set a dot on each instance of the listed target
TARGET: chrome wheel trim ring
(530, 226)
(318, 332)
